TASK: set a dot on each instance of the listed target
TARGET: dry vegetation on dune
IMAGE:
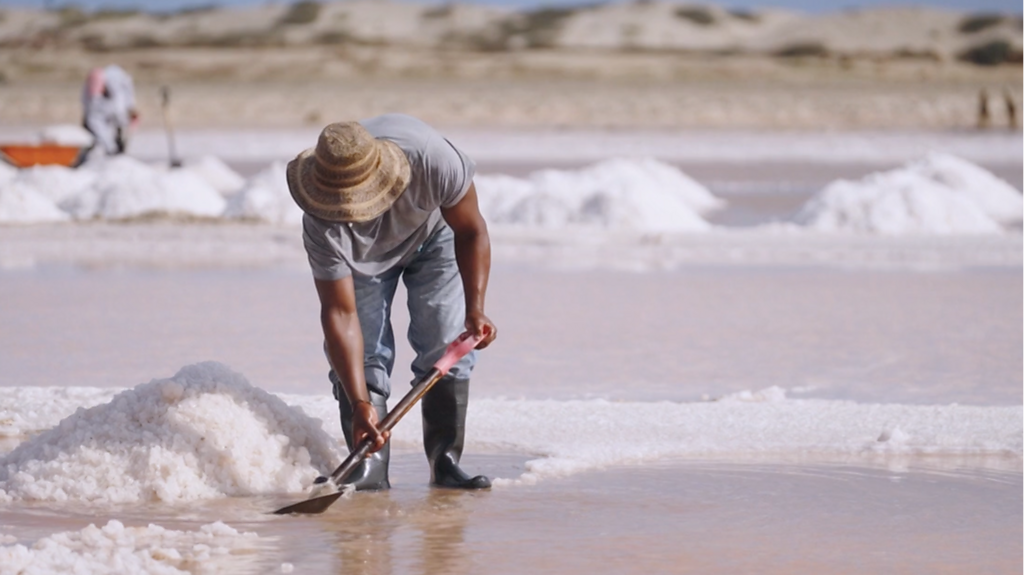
(654, 25)
(644, 63)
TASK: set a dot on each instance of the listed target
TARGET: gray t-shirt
(441, 176)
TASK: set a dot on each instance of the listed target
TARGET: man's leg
(374, 297)
(120, 141)
(97, 122)
(372, 473)
(84, 152)
(436, 317)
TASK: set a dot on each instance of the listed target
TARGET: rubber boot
(444, 433)
(372, 473)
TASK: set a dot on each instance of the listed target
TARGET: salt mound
(266, 197)
(114, 548)
(7, 172)
(625, 194)
(57, 183)
(125, 187)
(215, 172)
(29, 410)
(23, 204)
(940, 194)
(66, 135)
(773, 393)
(998, 199)
(204, 433)
(115, 188)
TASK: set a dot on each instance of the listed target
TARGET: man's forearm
(473, 255)
(343, 340)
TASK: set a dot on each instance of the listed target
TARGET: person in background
(1011, 109)
(390, 199)
(108, 107)
(984, 117)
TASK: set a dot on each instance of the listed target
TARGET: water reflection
(441, 519)
(363, 534)
(383, 533)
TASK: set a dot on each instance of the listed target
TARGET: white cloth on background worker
(108, 104)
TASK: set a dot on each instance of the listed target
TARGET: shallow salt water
(728, 418)
(919, 337)
(664, 518)
(793, 478)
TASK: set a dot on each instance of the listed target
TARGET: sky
(1003, 6)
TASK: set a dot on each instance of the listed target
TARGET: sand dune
(642, 25)
(646, 64)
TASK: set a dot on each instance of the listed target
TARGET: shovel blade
(313, 506)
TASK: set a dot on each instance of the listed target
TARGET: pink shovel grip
(456, 351)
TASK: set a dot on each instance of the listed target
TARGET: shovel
(165, 104)
(456, 350)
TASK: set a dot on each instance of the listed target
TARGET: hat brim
(387, 182)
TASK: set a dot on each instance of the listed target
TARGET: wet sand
(759, 94)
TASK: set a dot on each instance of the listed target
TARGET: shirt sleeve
(452, 172)
(325, 259)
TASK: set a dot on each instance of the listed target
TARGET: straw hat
(349, 176)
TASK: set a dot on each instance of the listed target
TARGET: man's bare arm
(343, 340)
(473, 254)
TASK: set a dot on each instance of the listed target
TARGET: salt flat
(821, 401)
(785, 410)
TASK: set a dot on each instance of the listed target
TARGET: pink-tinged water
(667, 518)
(870, 336)
(934, 337)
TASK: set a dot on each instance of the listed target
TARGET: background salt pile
(265, 197)
(642, 195)
(204, 433)
(112, 188)
(940, 194)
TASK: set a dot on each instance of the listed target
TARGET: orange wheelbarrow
(26, 155)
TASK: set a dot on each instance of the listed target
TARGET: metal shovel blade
(312, 506)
